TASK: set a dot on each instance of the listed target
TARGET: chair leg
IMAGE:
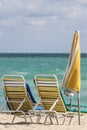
(63, 121)
(57, 120)
(30, 117)
(56, 117)
(45, 119)
(49, 118)
(25, 119)
(38, 119)
(71, 119)
(13, 119)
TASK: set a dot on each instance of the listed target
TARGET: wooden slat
(47, 94)
(15, 88)
(15, 93)
(13, 79)
(16, 96)
(46, 79)
(53, 89)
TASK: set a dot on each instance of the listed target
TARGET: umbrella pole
(78, 108)
(70, 101)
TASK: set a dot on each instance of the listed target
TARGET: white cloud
(10, 22)
(1, 33)
(83, 1)
(39, 8)
(37, 22)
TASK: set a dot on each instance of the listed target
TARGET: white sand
(19, 124)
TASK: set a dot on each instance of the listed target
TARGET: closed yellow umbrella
(71, 80)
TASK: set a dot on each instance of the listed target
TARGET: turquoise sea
(30, 64)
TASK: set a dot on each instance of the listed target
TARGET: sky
(42, 26)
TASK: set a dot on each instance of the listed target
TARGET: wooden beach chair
(49, 93)
(47, 86)
(16, 96)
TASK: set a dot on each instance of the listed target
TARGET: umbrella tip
(77, 31)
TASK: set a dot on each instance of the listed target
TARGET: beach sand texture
(19, 124)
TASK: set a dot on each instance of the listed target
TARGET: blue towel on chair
(32, 97)
(30, 93)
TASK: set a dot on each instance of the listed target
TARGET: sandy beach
(5, 123)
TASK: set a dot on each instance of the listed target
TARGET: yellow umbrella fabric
(71, 79)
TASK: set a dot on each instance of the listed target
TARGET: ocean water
(30, 64)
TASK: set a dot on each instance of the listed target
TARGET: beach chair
(47, 86)
(17, 99)
(49, 93)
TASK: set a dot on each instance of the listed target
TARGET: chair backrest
(47, 86)
(15, 92)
